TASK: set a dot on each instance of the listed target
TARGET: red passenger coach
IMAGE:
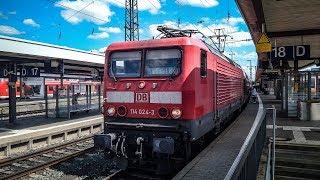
(162, 95)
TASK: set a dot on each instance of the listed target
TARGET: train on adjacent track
(35, 88)
(163, 95)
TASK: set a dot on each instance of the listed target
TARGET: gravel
(92, 165)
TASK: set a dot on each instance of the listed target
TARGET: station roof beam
(288, 23)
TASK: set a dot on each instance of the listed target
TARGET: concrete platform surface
(30, 137)
(34, 127)
(215, 161)
(291, 129)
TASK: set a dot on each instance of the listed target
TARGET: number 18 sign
(299, 52)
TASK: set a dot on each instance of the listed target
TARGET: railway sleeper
(20, 165)
(3, 171)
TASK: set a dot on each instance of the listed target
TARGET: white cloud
(8, 30)
(3, 16)
(97, 12)
(198, 3)
(104, 32)
(99, 35)
(30, 22)
(233, 20)
(153, 6)
(251, 55)
(110, 29)
(102, 49)
(240, 39)
(12, 12)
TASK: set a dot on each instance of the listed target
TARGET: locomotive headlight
(176, 113)
(111, 111)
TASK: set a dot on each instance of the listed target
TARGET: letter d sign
(300, 51)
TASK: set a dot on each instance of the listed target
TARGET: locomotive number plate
(142, 112)
(142, 97)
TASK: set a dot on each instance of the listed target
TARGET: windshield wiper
(112, 73)
(175, 69)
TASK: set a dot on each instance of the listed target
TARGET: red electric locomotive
(162, 95)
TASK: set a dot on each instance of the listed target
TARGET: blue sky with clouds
(101, 22)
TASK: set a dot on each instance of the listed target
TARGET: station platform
(291, 129)
(217, 158)
(215, 161)
(33, 133)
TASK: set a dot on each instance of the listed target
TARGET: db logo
(142, 97)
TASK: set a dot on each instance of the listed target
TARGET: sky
(92, 25)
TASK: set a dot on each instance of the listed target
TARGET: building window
(203, 64)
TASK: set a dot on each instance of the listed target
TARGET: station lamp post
(250, 68)
(12, 93)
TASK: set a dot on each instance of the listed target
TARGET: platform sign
(298, 52)
(30, 72)
(264, 44)
(5, 71)
(24, 72)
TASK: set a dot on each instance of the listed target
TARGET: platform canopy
(293, 27)
(36, 54)
(14, 47)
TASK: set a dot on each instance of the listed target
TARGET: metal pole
(274, 116)
(87, 94)
(90, 95)
(46, 99)
(309, 96)
(274, 140)
(57, 100)
(68, 101)
(12, 94)
(250, 68)
(99, 94)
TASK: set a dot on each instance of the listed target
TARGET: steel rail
(53, 160)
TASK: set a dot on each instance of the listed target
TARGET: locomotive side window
(165, 62)
(125, 64)
(203, 64)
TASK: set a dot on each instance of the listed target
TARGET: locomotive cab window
(203, 64)
(164, 62)
(125, 64)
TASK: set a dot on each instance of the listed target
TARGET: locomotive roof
(177, 41)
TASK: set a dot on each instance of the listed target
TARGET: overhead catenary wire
(150, 1)
(83, 13)
(213, 42)
(78, 11)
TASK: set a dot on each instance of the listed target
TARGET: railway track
(34, 107)
(295, 161)
(24, 165)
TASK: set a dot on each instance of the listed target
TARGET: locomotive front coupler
(139, 142)
(120, 147)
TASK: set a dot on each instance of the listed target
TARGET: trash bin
(314, 110)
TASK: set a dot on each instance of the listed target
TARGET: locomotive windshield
(125, 64)
(162, 62)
